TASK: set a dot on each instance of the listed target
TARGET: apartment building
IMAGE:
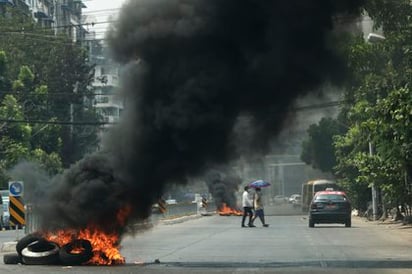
(63, 16)
(108, 104)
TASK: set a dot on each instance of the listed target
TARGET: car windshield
(334, 197)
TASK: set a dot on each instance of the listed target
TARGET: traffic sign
(16, 188)
(17, 211)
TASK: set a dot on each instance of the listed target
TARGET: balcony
(40, 14)
(106, 80)
(111, 119)
(108, 107)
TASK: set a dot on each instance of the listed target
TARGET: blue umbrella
(259, 184)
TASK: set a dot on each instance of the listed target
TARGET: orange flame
(105, 246)
(224, 210)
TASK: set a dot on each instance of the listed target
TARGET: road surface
(217, 244)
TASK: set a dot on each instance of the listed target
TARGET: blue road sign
(16, 188)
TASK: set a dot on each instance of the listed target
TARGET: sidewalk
(396, 227)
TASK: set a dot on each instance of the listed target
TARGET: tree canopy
(44, 88)
(375, 145)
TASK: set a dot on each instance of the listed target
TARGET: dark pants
(259, 213)
(247, 211)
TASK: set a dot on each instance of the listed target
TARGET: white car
(293, 197)
(171, 202)
(297, 201)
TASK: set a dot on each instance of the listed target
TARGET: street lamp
(374, 38)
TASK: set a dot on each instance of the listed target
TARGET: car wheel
(348, 223)
(12, 258)
(26, 240)
(76, 252)
(41, 252)
(311, 223)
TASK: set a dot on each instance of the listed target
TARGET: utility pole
(75, 90)
(374, 194)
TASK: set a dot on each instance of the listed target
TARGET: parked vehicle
(5, 218)
(4, 209)
(297, 201)
(292, 198)
(310, 188)
(171, 202)
(330, 207)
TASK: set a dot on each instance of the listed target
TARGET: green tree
(14, 138)
(23, 141)
(3, 68)
(59, 64)
(378, 108)
(318, 149)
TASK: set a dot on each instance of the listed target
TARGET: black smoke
(223, 185)
(193, 67)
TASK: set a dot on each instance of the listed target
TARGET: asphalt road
(217, 244)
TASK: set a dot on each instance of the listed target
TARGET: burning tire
(12, 258)
(40, 252)
(26, 240)
(76, 252)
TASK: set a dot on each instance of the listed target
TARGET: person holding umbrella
(247, 204)
(258, 205)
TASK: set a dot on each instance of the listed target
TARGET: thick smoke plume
(193, 68)
(223, 185)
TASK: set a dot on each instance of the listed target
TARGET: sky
(99, 12)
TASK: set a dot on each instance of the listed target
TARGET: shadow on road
(395, 264)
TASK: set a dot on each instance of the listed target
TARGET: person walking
(258, 205)
(247, 204)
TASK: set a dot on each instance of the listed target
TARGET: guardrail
(32, 219)
(172, 211)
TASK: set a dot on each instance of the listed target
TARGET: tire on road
(41, 252)
(83, 252)
(26, 240)
(12, 258)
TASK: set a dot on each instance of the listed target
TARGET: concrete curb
(8, 247)
(180, 219)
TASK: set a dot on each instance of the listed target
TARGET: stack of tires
(33, 249)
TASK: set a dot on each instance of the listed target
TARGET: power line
(58, 40)
(99, 11)
(45, 122)
(343, 18)
(39, 37)
(55, 94)
(94, 123)
(57, 27)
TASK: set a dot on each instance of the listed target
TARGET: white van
(4, 209)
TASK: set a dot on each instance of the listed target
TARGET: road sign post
(16, 204)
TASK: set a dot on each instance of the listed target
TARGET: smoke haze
(193, 69)
(223, 185)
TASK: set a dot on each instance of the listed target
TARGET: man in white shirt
(247, 204)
